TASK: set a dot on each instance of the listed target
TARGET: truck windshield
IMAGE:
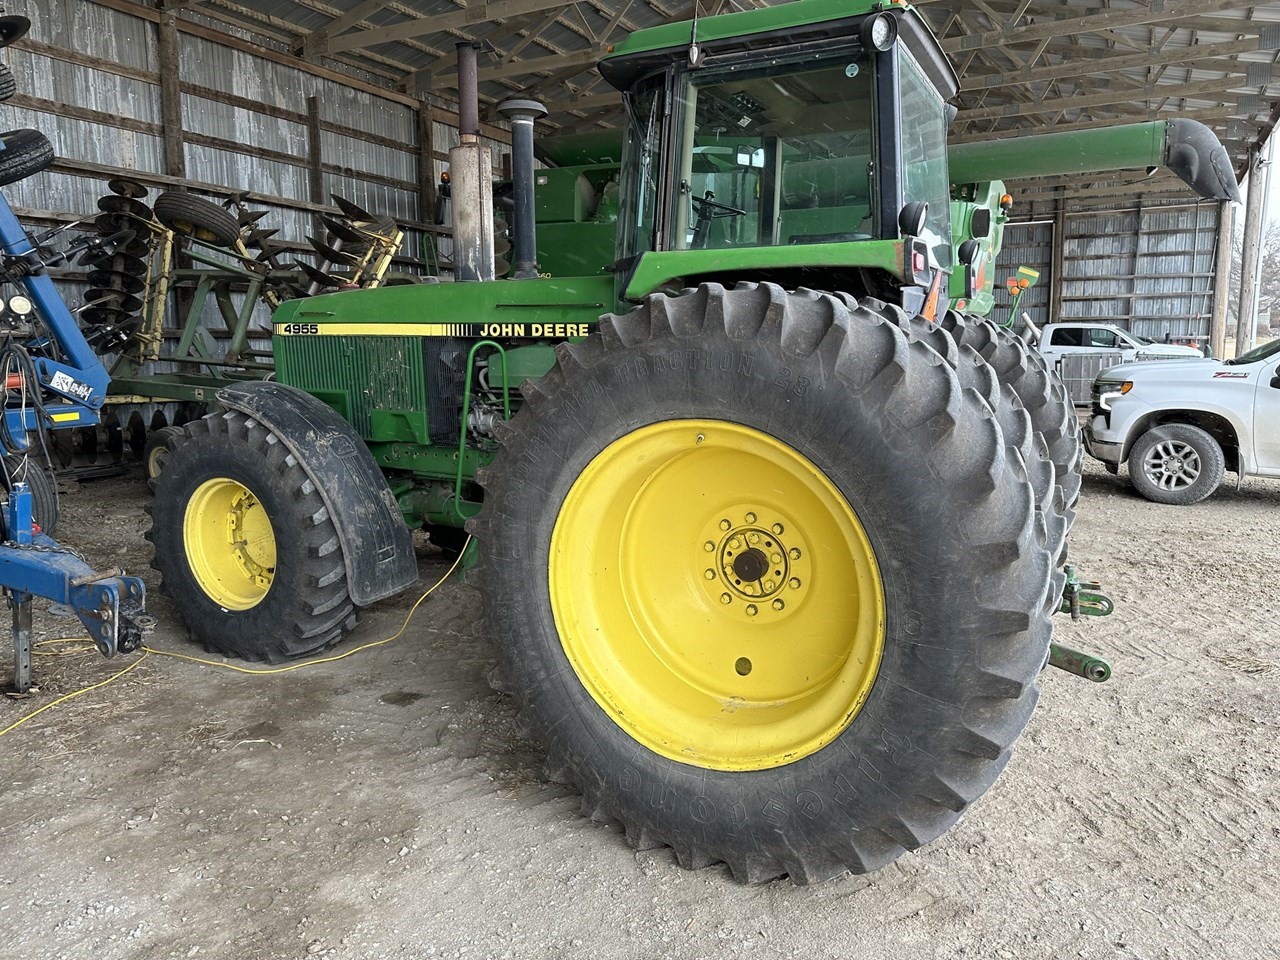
(773, 151)
(1260, 352)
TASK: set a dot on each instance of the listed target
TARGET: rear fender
(377, 547)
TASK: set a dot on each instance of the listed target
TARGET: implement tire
(198, 218)
(765, 580)
(156, 451)
(44, 489)
(26, 152)
(245, 546)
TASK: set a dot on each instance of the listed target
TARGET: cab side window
(1102, 338)
(1068, 337)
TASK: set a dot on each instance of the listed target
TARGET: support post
(1247, 310)
(1221, 281)
(426, 164)
(175, 160)
(315, 162)
(21, 603)
(1059, 240)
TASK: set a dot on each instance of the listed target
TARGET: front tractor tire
(766, 580)
(245, 545)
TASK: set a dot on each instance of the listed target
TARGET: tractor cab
(803, 154)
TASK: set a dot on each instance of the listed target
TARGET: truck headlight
(1105, 392)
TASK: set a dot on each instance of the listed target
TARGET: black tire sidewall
(172, 208)
(210, 457)
(26, 152)
(912, 716)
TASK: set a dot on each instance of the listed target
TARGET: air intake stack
(522, 113)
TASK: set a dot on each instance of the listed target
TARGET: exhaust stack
(522, 113)
(471, 180)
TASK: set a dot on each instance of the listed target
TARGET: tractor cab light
(1006, 203)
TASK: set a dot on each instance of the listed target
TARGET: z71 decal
(1230, 375)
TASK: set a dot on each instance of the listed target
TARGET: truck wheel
(1040, 390)
(765, 581)
(1176, 463)
(245, 545)
(44, 489)
(195, 217)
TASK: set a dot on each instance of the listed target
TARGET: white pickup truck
(1180, 424)
(1057, 339)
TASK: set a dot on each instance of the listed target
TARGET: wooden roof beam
(1129, 95)
(478, 11)
(1105, 20)
(1105, 65)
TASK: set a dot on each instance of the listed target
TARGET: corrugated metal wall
(131, 42)
(1150, 271)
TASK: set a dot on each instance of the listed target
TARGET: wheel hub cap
(716, 595)
(1172, 465)
(230, 544)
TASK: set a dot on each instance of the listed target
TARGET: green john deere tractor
(769, 539)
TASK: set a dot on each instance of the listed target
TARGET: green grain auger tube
(769, 541)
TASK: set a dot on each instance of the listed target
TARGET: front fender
(377, 547)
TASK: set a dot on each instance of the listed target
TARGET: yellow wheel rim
(156, 459)
(229, 543)
(716, 595)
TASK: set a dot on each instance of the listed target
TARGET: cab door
(1266, 418)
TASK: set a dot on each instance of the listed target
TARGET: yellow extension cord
(148, 651)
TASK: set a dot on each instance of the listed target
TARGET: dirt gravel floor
(384, 807)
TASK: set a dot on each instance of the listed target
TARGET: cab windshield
(774, 152)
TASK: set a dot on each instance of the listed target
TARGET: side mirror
(1275, 381)
(968, 252)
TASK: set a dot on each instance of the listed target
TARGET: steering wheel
(706, 207)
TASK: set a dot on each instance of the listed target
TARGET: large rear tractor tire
(245, 546)
(1040, 390)
(766, 580)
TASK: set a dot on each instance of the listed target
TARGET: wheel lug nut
(708, 546)
(776, 557)
(778, 604)
(725, 598)
(725, 524)
(769, 585)
(735, 543)
(794, 553)
(754, 537)
(752, 610)
(751, 518)
(777, 528)
(794, 583)
(710, 574)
